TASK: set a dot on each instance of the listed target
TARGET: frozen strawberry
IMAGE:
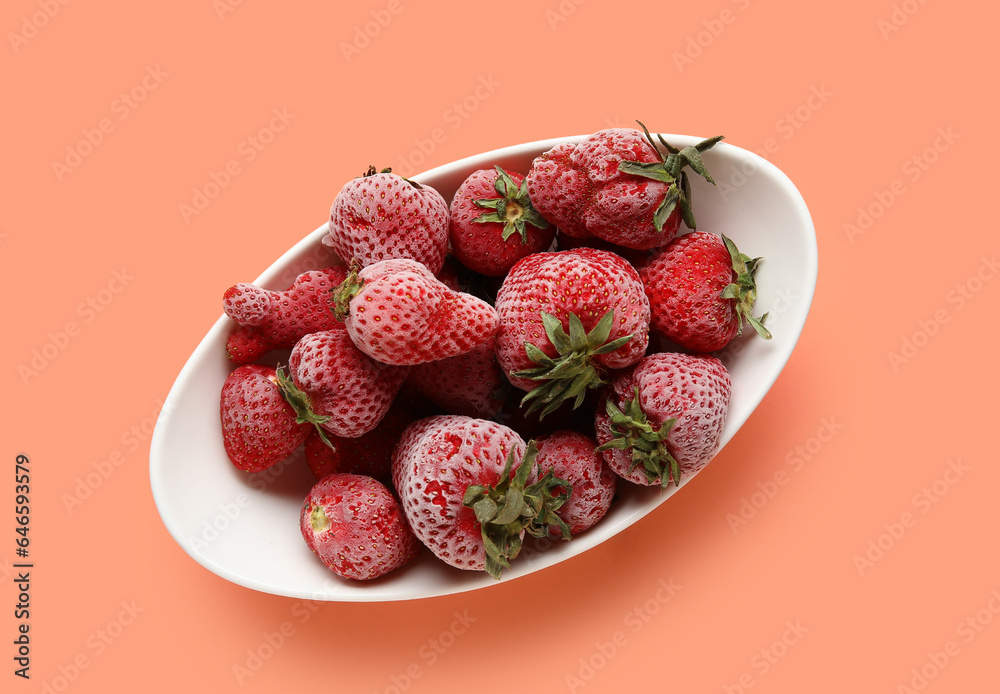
(397, 312)
(565, 319)
(493, 223)
(700, 289)
(382, 215)
(267, 319)
(571, 456)
(618, 186)
(369, 454)
(355, 526)
(334, 385)
(663, 418)
(453, 476)
(471, 383)
(259, 428)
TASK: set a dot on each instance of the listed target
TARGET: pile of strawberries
(481, 371)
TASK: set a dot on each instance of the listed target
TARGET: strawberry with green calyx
(572, 456)
(512, 507)
(337, 387)
(664, 417)
(633, 432)
(701, 288)
(568, 376)
(494, 224)
(671, 171)
(616, 185)
(539, 334)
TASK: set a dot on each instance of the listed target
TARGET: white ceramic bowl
(245, 528)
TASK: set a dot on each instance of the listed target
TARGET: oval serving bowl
(244, 527)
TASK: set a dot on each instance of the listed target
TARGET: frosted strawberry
(493, 223)
(618, 186)
(397, 312)
(259, 428)
(355, 526)
(700, 289)
(369, 454)
(663, 418)
(471, 383)
(565, 319)
(382, 215)
(334, 385)
(454, 479)
(269, 319)
(571, 456)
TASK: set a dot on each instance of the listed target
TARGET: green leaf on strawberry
(569, 375)
(633, 432)
(744, 289)
(512, 208)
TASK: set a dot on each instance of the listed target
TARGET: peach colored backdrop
(871, 567)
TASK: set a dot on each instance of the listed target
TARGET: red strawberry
(269, 319)
(382, 215)
(334, 385)
(571, 456)
(700, 288)
(355, 526)
(471, 384)
(617, 185)
(565, 318)
(259, 428)
(369, 454)
(664, 417)
(493, 223)
(453, 475)
(397, 312)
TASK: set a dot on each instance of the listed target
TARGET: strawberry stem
(299, 401)
(648, 445)
(744, 290)
(345, 291)
(511, 507)
(669, 170)
(574, 371)
(512, 208)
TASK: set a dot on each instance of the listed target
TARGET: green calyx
(568, 376)
(671, 171)
(512, 507)
(513, 208)
(744, 290)
(300, 403)
(342, 294)
(633, 432)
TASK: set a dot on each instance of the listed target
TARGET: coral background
(873, 567)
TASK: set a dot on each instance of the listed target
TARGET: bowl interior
(244, 527)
